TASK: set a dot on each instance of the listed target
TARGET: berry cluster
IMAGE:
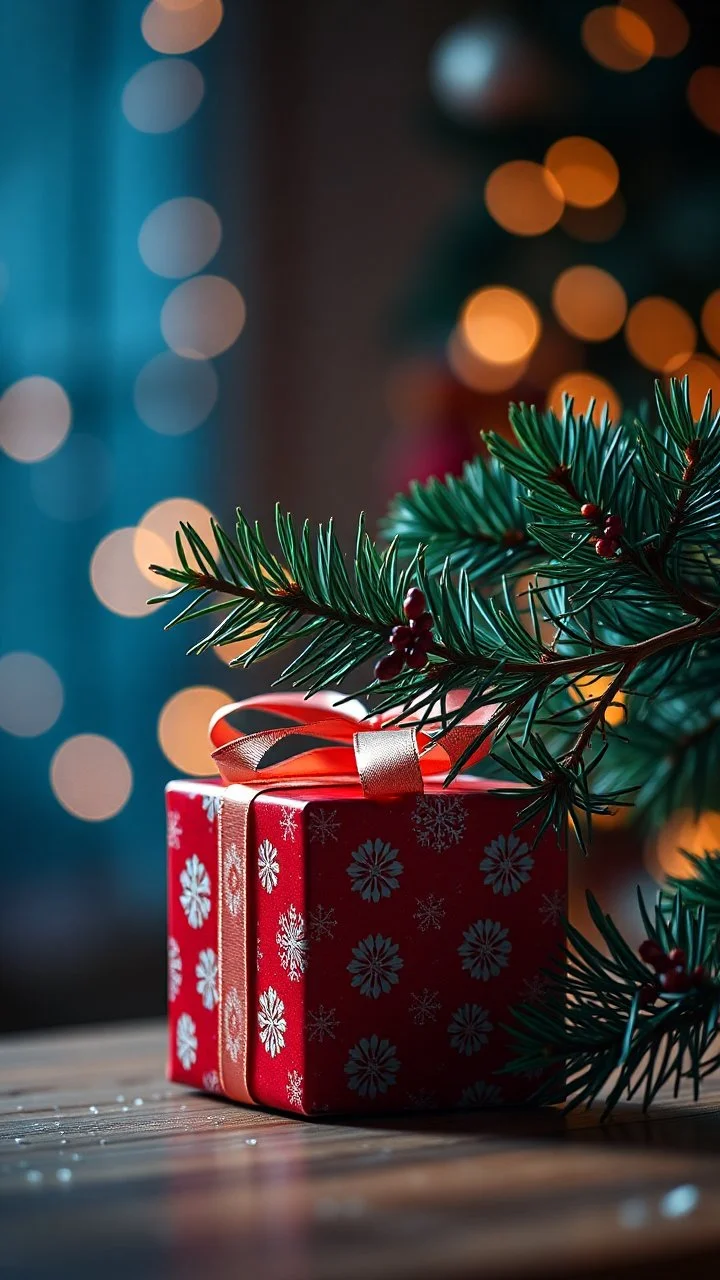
(410, 640)
(671, 968)
(608, 542)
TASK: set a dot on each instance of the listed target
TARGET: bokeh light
(596, 225)
(179, 237)
(704, 375)
(156, 534)
(75, 482)
(683, 830)
(178, 5)
(35, 418)
(584, 387)
(593, 687)
(180, 29)
(31, 694)
(227, 653)
(115, 576)
(618, 38)
(500, 325)
(585, 170)
(202, 317)
(524, 198)
(710, 320)
(163, 95)
(479, 374)
(183, 728)
(704, 96)
(174, 395)
(91, 777)
(667, 22)
(589, 303)
(660, 334)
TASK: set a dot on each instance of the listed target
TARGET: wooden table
(106, 1170)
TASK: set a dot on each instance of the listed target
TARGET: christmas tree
(574, 571)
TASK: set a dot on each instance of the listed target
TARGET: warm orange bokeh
(162, 522)
(594, 687)
(183, 728)
(704, 375)
(589, 303)
(660, 334)
(524, 198)
(116, 575)
(584, 387)
(585, 170)
(35, 418)
(500, 325)
(202, 317)
(479, 374)
(91, 777)
(662, 854)
(617, 38)
(704, 96)
(710, 320)
(177, 27)
(666, 20)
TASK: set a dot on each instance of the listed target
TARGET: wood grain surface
(108, 1171)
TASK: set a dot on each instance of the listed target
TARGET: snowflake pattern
(439, 821)
(321, 1023)
(288, 822)
(552, 907)
(481, 1094)
(424, 1006)
(206, 972)
(294, 1088)
(323, 825)
(186, 1041)
(174, 969)
(374, 870)
(271, 1023)
(468, 1028)
(195, 896)
(174, 829)
(533, 989)
(268, 866)
(212, 806)
(233, 876)
(322, 923)
(375, 965)
(508, 864)
(292, 943)
(372, 1067)
(233, 1023)
(430, 912)
(485, 950)
(211, 1082)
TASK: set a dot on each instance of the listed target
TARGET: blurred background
(305, 252)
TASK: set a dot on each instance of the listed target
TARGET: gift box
(337, 946)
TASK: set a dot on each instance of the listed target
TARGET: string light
(178, 30)
(667, 22)
(500, 325)
(585, 171)
(91, 777)
(618, 38)
(589, 303)
(31, 694)
(35, 418)
(115, 576)
(660, 334)
(183, 728)
(584, 387)
(179, 237)
(202, 317)
(163, 95)
(479, 374)
(524, 198)
(704, 96)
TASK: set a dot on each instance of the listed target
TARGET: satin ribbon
(384, 760)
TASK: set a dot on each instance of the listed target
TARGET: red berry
(414, 603)
(423, 623)
(415, 657)
(389, 667)
(697, 977)
(421, 640)
(648, 995)
(675, 981)
(677, 957)
(606, 547)
(400, 637)
(590, 511)
(650, 951)
(613, 526)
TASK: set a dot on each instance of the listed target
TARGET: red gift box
(334, 952)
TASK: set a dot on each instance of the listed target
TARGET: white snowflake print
(375, 965)
(233, 876)
(174, 829)
(292, 943)
(259, 955)
(481, 1094)
(552, 907)
(212, 806)
(321, 1023)
(439, 821)
(272, 1025)
(322, 923)
(195, 896)
(233, 1023)
(372, 1067)
(268, 866)
(288, 822)
(424, 1006)
(485, 950)
(186, 1041)
(174, 969)
(206, 972)
(507, 863)
(211, 1082)
(469, 1028)
(323, 825)
(533, 989)
(294, 1088)
(374, 870)
(430, 912)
